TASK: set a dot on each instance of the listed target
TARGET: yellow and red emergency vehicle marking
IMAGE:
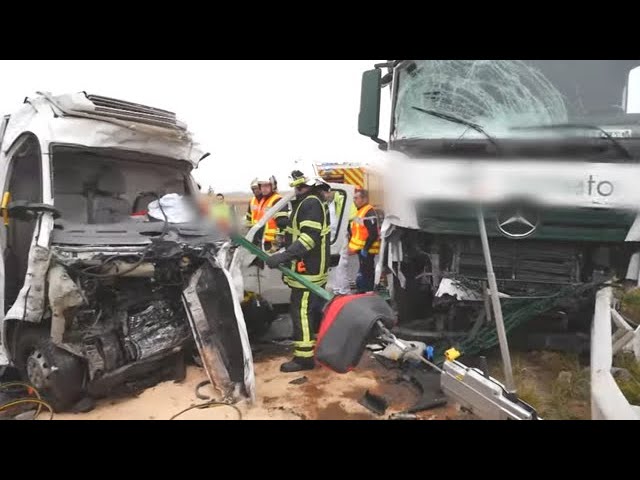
(350, 176)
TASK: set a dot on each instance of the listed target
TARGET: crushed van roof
(99, 121)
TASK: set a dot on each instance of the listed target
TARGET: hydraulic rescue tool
(350, 322)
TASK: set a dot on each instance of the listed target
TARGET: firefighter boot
(298, 364)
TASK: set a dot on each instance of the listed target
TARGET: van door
(217, 322)
(23, 183)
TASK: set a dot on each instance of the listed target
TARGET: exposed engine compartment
(127, 320)
(117, 311)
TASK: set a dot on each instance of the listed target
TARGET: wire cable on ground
(210, 404)
(29, 388)
(22, 401)
(199, 386)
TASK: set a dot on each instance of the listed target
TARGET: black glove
(278, 259)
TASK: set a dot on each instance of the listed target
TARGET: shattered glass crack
(496, 94)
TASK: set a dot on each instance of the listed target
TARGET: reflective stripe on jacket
(252, 213)
(271, 227)
(359, 232)
(309, 226)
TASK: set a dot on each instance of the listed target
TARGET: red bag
(347, 326)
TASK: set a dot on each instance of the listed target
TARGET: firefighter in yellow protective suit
(307, 253)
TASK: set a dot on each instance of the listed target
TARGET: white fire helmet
(271, 180)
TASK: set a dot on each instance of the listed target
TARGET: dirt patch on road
(324, 395)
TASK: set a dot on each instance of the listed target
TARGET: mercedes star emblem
(517, 223)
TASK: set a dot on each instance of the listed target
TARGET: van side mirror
(369, 116)
(23, 210)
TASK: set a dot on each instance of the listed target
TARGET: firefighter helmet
(268, 180)
(305, 173)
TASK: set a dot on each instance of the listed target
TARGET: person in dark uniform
(307, 252)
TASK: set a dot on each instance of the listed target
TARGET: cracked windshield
(509, 98)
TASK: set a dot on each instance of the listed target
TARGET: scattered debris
(299, 381)
(429, 385)
(375, 403)
(403, 416)
(301, 416)
(375, 347)
(29, 415)
(395, 353)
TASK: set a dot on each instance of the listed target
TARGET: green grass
(630, 304)
(536, 376)
(630, 386)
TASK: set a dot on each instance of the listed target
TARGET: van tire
(36, 356)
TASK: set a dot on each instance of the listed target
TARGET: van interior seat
(69, 197)
(107, 205)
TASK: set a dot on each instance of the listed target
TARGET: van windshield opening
(98, 186)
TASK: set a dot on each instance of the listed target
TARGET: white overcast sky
(253, 116)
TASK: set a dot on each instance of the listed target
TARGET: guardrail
(607, 401)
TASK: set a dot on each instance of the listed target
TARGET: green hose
(258, 252)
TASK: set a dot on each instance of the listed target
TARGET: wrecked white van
(97, 295)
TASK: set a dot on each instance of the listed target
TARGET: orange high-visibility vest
(271, 228)
(359, 232)
(254, 206)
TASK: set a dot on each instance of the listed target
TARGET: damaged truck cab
(110, 279)
(548, 149)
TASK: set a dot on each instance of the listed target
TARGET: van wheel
(56, 374)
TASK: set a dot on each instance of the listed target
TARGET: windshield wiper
(461, 121)
(585, 126)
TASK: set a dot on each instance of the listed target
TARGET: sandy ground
(323, 396)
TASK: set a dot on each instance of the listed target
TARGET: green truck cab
(548, 149)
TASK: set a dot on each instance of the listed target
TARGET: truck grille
(521, 261)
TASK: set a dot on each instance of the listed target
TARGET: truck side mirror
(369, 116)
